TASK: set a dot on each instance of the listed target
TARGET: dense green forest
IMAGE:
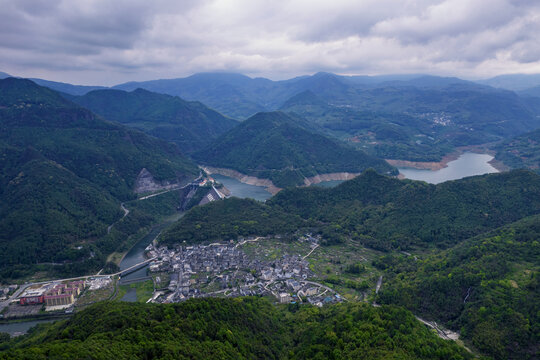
(64, 172)
(382, 134)
(488, 288)
(190, 125)
(520, 152)
(381, 212)
(230, 219)
(242, 328)
(275, 146)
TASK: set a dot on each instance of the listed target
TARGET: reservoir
(468, 164)
(241, 190)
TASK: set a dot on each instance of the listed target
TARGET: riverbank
(340, 176)
(269, 186)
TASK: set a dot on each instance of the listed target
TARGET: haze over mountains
(190, 125)
(70, 161)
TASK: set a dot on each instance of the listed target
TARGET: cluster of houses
(223, 269)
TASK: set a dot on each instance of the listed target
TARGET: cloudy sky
(111, 41)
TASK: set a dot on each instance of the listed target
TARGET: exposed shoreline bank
(243, 178)
(268, 185)
(433, 165)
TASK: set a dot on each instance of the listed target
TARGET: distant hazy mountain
(63, 174)
(420, 119)
(190, 125)
(4, 75)
(515, 82)
(231, 94)
(276, 146)
(531, 92)
(67, 88)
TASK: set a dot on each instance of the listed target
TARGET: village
(224, 269)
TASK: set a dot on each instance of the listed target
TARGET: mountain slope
(520, 152)
(232, 94)
(190, 125)
(107, 154)
(380, 212)
(243, 328)
(64, 172)
(388, 213)
(488, 287)
(65, 87)
(275, 146)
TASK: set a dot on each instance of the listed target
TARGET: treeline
(278, 147)
(488, 288)
(242, 328)
(229, 219)
(381, 212)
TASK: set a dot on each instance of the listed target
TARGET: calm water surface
(136, 254)
(468, 164)
(241, 190)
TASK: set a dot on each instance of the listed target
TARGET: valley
(290, 213)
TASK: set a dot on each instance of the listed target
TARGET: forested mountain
(190, 125)
(380, 133)
(488, 288)
(275, 146)
(380, 212)
(64, 173)
(76, 90)
(515, 82)
(520, 152)
(417, 118)
(243, 328)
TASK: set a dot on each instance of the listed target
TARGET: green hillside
(190, 125)
(380, 212)
(387, 213)
(243, 328)
(64, 172)
(275, 146)
(108, 155)
(380, 133)
(487, 288)
(520, 152)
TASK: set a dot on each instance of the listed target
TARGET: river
(468, 164)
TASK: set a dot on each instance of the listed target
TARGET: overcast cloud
(108, 42)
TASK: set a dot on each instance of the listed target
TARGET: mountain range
(278, 147)
(64, 173)
(190, 125)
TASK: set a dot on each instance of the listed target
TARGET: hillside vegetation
(276, 146)
(190, 125)
(381, 212)
(243, 328)
(64, 173)
(488, 288)
(520, 152)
